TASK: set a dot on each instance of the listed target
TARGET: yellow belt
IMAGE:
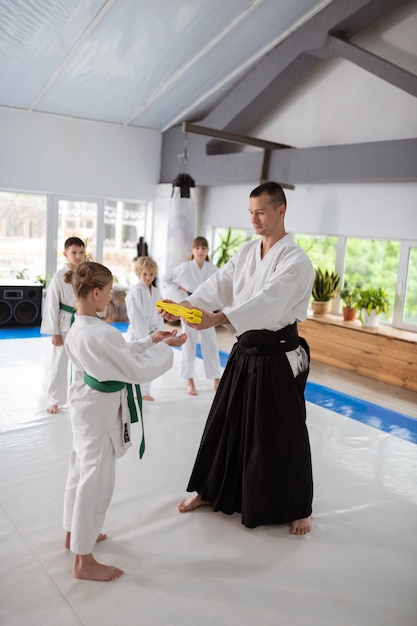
(194, 316)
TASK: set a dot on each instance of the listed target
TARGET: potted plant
(372, 303)
(349, 296)
(325, 287)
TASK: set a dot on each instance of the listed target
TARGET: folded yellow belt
(193, 316)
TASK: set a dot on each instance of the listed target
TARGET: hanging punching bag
(181, 221)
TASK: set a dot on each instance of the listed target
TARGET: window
(22, 235)
(405, 313)
(373, 263)
(124, 223)
(227, 241)
(77, 218)
(320, 250)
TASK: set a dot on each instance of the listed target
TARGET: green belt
(68, 309)
(110, 386)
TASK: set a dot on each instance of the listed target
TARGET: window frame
(399, 305)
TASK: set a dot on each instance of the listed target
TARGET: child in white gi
(100, 419)
(186, 277)
(58, 313)
(140, 304)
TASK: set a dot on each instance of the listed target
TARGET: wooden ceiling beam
(223, 135)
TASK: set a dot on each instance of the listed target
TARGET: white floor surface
(358, 567)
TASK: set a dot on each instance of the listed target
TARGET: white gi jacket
(188, 275)
(141, 311)
(100, 350)
(55, 321)
(256, 293)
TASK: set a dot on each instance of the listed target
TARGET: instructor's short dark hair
(273, 190)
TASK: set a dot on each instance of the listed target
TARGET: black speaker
(20, 305)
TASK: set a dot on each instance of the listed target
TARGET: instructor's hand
(170, 317)
(209, 320)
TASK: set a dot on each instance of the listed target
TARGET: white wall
(385, 211)
(340, 103)
(53, 154)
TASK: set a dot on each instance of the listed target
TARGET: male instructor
(254, 456)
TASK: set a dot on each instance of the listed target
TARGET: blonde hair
(147, 262)
(88, 276)
(199, 242)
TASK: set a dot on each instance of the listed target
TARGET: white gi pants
(58, 384)
(209, 352)
(88, 493)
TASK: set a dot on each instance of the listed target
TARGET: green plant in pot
(372, 303)
(325, 287)
(349, 296)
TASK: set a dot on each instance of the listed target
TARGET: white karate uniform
(256, 293)
(101, 421)
(55, 321)
(143, 316)
(189, 275)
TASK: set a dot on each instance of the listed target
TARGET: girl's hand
(161, 335)
(57, 340)
(179, 340)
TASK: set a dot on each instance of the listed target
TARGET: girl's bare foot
(148, 398)
(301, 526)
(216, 383)
(191, 503)
(191, 390)
(52, 409)
(67, 540)
(87, 568)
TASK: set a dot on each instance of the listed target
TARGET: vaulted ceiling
(136, 62)
(158, 63)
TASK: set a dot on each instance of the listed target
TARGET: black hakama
(254, 456)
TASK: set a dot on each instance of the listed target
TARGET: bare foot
(52, 409)
(67, 540)
(301, 526)
(191, 390)
(87, 568)
(216, 383)
(148, 398)
(191, 503)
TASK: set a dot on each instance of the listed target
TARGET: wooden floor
(388, 396)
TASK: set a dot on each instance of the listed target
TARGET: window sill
(384, 353)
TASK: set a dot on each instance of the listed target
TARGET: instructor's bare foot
(148, 398)
(216, 383)
(67, 540)
(191, 390)
(191, 503)
(87, 568)
(301, 526)
(52, 409)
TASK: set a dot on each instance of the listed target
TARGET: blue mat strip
(388, 421)
(35, 331)
(391, 422)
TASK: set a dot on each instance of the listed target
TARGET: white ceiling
(219, 65)
(147, 63)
